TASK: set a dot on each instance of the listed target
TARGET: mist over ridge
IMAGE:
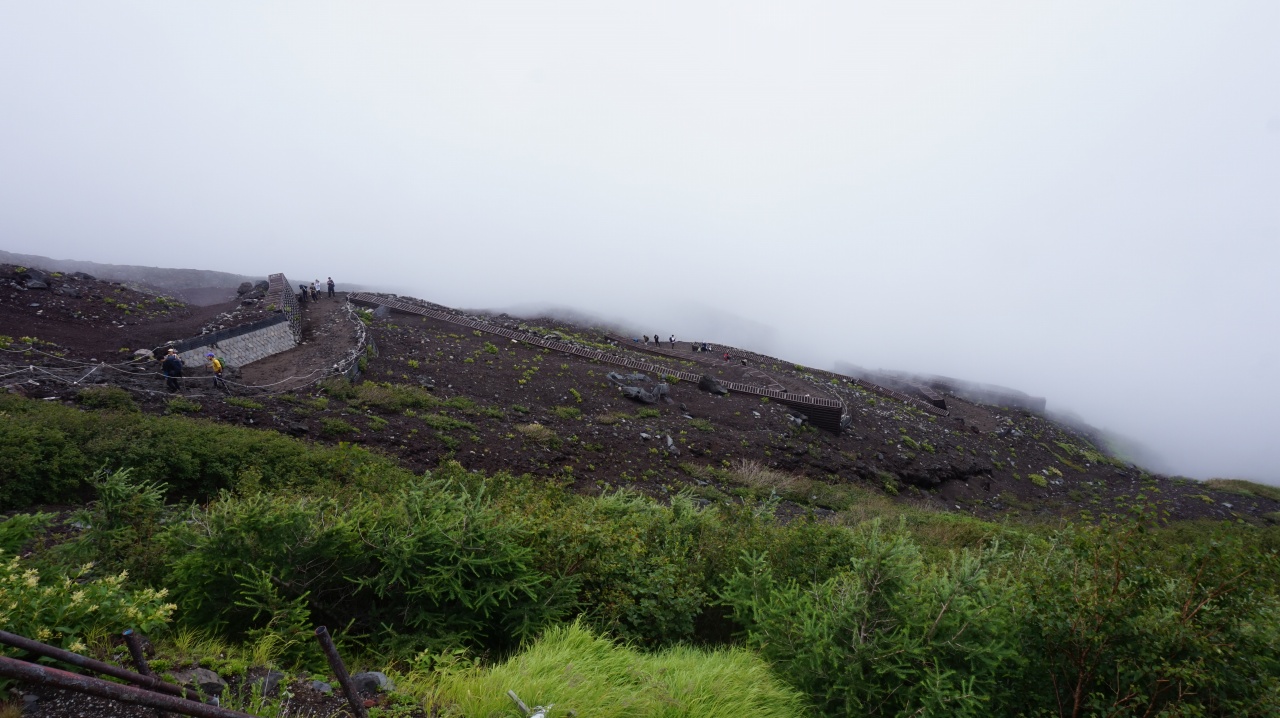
(1076, 202)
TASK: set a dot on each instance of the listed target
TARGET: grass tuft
(587, 675)
(1245, 488)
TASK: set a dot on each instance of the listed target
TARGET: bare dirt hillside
(502, 405)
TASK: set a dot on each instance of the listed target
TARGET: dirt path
(751, 374)
(328, 334)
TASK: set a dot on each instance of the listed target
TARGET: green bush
(391, 398)
(336, 427)
(889, 636)
(182, 405)
(1111, 620)
(431, 564)
(107, 397)
(120, 525)
(48, 451)
(567, 412)
(441, 422)
(18, 529)
(244, 403)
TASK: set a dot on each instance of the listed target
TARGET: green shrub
(536, 432)
(120, 524)
(648, 414)
(48, 451)
(1038, 480)
(1245, 488)
(392, 398)
(431, 564)
(889, 635)
(243, 403)
(567, 412)
(701, 425)
(336, 427)
(1107, 620)
(107, 397)
(441, 422)
(182, 405)
(18, 529)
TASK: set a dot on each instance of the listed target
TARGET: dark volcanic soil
(515, 407)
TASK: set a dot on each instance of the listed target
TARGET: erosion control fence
(823, 413)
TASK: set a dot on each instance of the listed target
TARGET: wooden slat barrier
(824, 413)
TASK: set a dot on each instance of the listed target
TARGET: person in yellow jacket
(215, 365)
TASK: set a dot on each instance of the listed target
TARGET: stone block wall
(240, 345)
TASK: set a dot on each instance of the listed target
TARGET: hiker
(705, 348)
(726, 357)
(215, 365)
(673, 341)
(302, 298)
(646, 340)
(315, 290)
(171, 367)
(330, 287)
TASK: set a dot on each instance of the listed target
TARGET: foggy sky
(1077, 199)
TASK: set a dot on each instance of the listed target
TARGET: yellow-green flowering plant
(62, 610)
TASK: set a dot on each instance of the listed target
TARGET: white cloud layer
(1080, 200)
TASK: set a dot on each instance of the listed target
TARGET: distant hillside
(162, 278)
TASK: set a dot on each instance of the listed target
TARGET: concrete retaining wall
(248, 343)
(240, 345)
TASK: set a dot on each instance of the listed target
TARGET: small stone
(645, 436)
(321, 687)
(373, 682)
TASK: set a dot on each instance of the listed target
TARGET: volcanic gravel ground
(980, 460)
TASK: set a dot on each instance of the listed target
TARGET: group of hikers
(658, 341)
(693, 346)
(171, 367)
(312, 292)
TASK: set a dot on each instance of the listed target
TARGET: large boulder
(646, 396)
(261, 285)
(244, 288)
(711, 384)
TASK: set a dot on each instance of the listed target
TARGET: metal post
(75, 659)
(140, 660)
(47, 676)
(340, 671)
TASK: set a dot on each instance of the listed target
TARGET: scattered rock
(373, 682)
(320, 687)
(645, 436)
(269, 683)
(244, 288)
(382, 312)
(201, 679)
(36, 284)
